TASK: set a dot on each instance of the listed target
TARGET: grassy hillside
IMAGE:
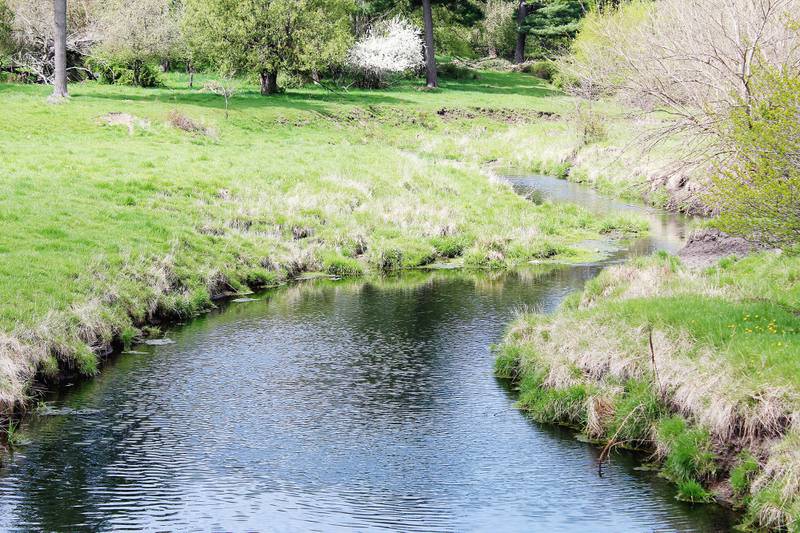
(700, 367)
(125, 206)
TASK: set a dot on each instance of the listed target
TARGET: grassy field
(701, 367)
(126, 206)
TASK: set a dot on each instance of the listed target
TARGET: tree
(267, 36)
(135, 34)
(33, 35)
(553, 24)
(430, 53)
(499, 29)
(6, 27)
(389, 47)
(522, 32)
(60, 50)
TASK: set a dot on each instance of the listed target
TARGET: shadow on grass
(248, 99)
(503, 83)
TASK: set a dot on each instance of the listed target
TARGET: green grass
(716, 390)
(106, 227)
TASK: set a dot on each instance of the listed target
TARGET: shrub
(499, 29)
(756, 193)
(120, 72)
(454, 71)
(545, 70)
(590, 125)
(389, 48)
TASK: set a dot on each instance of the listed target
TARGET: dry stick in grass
(604, 454)
(653, 362)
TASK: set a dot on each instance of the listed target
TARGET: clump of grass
(743, 474)
(451, 246)
(341, 266)
(688, 451)
(636, 410)
(690, 490)
(565, 406)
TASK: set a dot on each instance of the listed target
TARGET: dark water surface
(351, 405)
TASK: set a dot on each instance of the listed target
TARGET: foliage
(339, 265)
(389, 48)
(689, 455)
(135, 33)
(456, 71)
(545, 70)
(758, 192)
(499, 28)
(596, 65)
(6, 26)
(267, 36)
(743, 473)
(33, 34)
(124, 71)
(589, 123)
(552, 24)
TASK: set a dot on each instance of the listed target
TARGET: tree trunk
(519, 50)
(190, 70)
(165, 65)
(60, 60)
(269, 82)
(430, 53)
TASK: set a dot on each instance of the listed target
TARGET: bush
(590, 125)
(122, 72)
(453, 71)
(756, 194)
(390, 48)
(545, 70)
(499, 28)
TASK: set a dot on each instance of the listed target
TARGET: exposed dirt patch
(124, 119)
(509, 116)
(705, 247)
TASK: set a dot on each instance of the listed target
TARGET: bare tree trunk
(430, 53)
(190, 70)
(269, 82)
(519, 50)
(60, 27)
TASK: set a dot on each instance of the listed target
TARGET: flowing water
(338, 405)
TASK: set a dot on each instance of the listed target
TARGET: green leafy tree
(758, 194)
(266, 37)
(6, 23)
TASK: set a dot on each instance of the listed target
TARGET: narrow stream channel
(350, 405)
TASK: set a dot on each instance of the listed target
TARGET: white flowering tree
(389, 48)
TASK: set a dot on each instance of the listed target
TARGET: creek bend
(339, 405)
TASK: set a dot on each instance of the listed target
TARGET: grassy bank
(700, 368)
(126, 206)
